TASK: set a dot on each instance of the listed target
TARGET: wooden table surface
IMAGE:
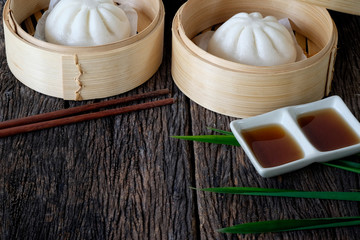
(124, 177)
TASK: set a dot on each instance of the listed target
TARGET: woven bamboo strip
(346, 6)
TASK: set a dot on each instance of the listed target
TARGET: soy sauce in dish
(327, 130)
(272, 145)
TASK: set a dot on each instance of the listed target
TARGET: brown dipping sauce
(327, 130)
(272, 145)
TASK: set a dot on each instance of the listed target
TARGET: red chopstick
(58, 118)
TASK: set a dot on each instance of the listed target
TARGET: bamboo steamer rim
(345, 6)
(12, 23)
(180, 32)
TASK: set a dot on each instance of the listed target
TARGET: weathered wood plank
(218, 166)
(114, 178)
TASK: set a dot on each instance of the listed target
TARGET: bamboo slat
(242, 90)
(345, 6)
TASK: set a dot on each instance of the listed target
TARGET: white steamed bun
(86, 23)
(253, 40)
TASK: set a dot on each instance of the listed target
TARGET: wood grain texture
(123, 177)
(114, 178)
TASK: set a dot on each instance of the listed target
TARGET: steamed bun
(86, 23)
(253, 40)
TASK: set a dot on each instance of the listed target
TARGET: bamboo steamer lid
(345, 6)
(81, 73)
(241, 90)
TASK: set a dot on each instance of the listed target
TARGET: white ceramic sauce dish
(287, 118)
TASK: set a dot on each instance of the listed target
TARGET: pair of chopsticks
(64, 116)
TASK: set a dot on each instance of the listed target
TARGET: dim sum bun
(86, 23)
(253, 40)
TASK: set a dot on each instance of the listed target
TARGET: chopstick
(58, 118)
(79, 109)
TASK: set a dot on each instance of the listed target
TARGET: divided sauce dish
(288, 119)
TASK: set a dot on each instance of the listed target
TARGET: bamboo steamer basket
(241, 90)
(81, 73)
